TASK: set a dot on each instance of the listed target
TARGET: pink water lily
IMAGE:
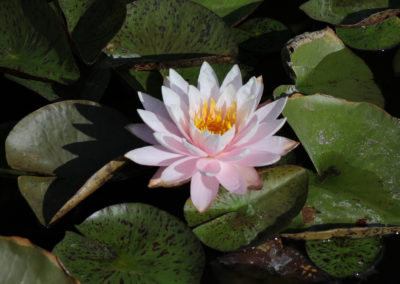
(212, 135)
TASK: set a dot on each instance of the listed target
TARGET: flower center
(216, 120)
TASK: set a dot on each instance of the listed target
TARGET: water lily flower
(210, 135)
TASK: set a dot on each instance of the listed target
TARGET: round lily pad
(234, 221)
(132, 243)
(159, 27)
(22, 262)
(344, 257)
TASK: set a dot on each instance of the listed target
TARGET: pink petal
(251, 176)
(233, 77)
(259, 89)
(175, 144)
(154, 105)
(142, 131)
(227, 97)
(172, 98)
(196, 100)
(215, 143)
(234, 155)
(231, 178)
(208, 82)
(180, 119)
(155, 155)
(275, 144)
(179, 85)
(258, 159)
(271, 111)
(158, 123)
(193, 149)
(179, 171)
(203, 191)
(156, 180)
(246, 133)
(208, 166)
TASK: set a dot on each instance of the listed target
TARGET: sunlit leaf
(132, 243)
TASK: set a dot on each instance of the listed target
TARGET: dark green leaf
(22, 262)
(234, 221)
(73, 142)
(344, 257)
(32, 41)
(396, 63)
(355, 149)
(132, 243)
(319, 62)
(93, 23)
(171, 27)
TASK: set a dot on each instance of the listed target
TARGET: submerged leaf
(132, 243)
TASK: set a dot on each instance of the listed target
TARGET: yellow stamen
(214, 119)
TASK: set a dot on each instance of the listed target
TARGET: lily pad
(344, 257)
(345, 11)
(174, 27)
(132, 243)
(74, 146)
(93, 23)
(232, 11)
(319, 62)
(262, 35)
(33, 41)
(234, 221)
(379, 36)
(354, 148)
(22, 262)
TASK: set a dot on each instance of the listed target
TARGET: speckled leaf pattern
(262, 35)
(355, 149)
(344, 257)
(74, 141)
(132, 243)
(159, 27)
(379, 36)
(345, 11)
(32, 41)
(319, 62)
(93, 23)
(232, 11)
(234, 221)
(22, 262)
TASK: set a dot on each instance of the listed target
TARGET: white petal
(227, 97)
(208, 81)
(142, 131)
(215, 143)
(180, 119)
(172, 98)
(233, 77)
(203, 191)
(154, 105)
(234, 155)
(158, 123)
(179, 85)
(196, 100)
(271, 111)
(176, 144)
(193, 149)
(156, 155)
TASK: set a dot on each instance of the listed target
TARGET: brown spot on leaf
(307, 213)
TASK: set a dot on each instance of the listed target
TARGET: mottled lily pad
(234, 221)
(33, 41)
(93, 23)
(344, 257)
(355, 150)
(319, 62)
(378, 36)
(262, 35)
(132, 243)
(22, 262)
(74, 146)
(174, 27)
(232, 11)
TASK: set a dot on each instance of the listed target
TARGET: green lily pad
(22, 262)
(345, 11)
(396, 63)
(33, 41)
(234, 221)
(379, 36)
(354, 148)
(319, 62)
(93, 23)
(232, 11)
(262, 35)
(90, 86)
(132, 243)
(344, 257)
(171, 27)
(74, 146)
